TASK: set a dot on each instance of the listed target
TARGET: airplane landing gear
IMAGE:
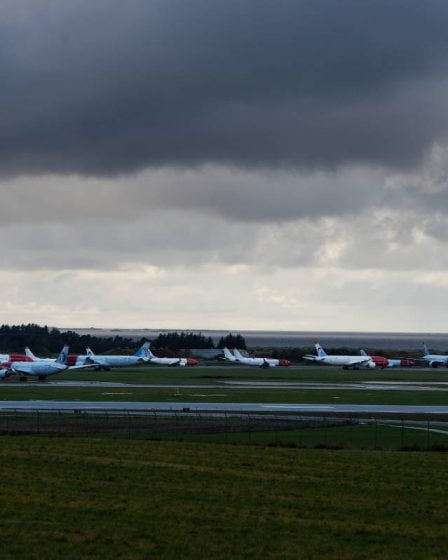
(41, 377)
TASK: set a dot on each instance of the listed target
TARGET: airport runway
(38, 405)
(363, 386)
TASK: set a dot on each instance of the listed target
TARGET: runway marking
(209, 395)
(116, 393)
(302, 406)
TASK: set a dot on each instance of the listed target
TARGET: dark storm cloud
(109, 87)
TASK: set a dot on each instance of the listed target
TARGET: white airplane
(40, 369)
(170, 362)
(107, 362)
(255, 362)
(346, 362)
(434, 360)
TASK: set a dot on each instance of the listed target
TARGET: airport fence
(419, 432)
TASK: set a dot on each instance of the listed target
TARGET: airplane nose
(192, 362)
(284, 363)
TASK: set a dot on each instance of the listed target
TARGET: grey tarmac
(38, 405)
(363, 386)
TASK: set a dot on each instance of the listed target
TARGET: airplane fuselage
(173, 362)
(435, 360)
(345, 361)
(41, 368)
(257, 362)
(115, 361)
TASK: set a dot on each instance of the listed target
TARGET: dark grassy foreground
(244, 429)
(97, 498)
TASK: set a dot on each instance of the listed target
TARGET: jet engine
(5, 370)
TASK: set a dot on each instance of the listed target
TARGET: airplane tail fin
(237, 354)
(149, 354)
(62, 358)
(89, 352)
(228, 354)
(320, 351)
(29, 354)
(362, 352)
(425, 350)
(143, 352)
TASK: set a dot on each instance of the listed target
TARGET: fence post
(428, 434)
(353, 424)
(402, 432)
(376, 434)
(177, 426)
(155, 424)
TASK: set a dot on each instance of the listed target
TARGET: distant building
(205, 353)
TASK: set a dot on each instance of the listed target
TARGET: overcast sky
(231, 164)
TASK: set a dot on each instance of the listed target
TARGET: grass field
(97, 498)
(224, 394)
(209, 374)
(214, 375)
(268, 429)
(356, 436)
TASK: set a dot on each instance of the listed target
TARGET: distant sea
(297, 339)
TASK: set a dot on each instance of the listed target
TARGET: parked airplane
(434, 360)
(379, 361)
(40, 369)
(403, 362)
(72, 359)
(256, 362)
(107, 362)
(383, 362)
(346, 362)
(170, 362)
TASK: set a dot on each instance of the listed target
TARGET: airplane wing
(359, 362)
(175, 364)
(83, 366)
(313, 358)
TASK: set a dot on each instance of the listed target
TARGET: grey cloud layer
(233, 194)
(109, 87)
(356, 218)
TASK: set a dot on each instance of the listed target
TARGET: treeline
(188, 340)
(46, 341)
(180, 341)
